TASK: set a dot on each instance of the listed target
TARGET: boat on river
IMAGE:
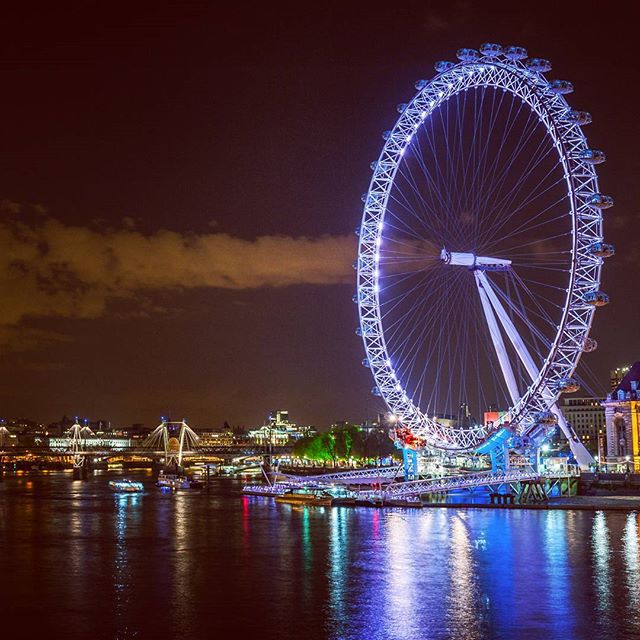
(269, 490)
(126, 486)
(304, 496)
(174, 482)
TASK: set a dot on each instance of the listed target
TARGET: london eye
(479, 257)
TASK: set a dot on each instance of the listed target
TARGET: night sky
(179, 186)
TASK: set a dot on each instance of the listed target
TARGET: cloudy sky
(179, 186)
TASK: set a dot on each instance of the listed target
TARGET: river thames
(78, 561)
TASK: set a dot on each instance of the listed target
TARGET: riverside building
(586, 416)
(279, 431)
(622, 409)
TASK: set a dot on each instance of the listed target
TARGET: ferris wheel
(480, 251)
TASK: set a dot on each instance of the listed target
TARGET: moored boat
(269, 490)
(301, 496)
(174, 482)
(366, 499)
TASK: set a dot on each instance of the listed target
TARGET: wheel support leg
(410, 464)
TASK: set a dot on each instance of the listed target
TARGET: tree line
(344, 442)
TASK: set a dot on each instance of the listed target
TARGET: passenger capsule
(355, 263)
(539, 65)
(363, 197)
(374, 165)
(443, 65)
(592, 156)
(421, 84)
(357, 231)
(376, 391)
(546, 418)
(365, 363)
(579, 117)
(568, 385)
(491, 50)
(602, 250)
(386, 134)
(401, 107)
(589, 345)
(515, 53)
(596, 298)
(467, 55)
(355, 298)
(561, 86)
(359, 331)
(600, 201)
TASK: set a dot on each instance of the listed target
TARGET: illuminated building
(586, 417)
(279, 417)
(492, 415)
(278, 430)
(104, 442)
(617, 374)
(216, 438)
(622, 408)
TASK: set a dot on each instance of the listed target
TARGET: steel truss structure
(497, 69)
(490, 480)
(376, 475)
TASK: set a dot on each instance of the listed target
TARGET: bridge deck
(377, 475)
(453, 483)
(469, 481)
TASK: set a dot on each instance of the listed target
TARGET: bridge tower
(4, 436)
(4, 442)
(173, 439)
(79, 434)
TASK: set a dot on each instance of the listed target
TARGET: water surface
(78, 561)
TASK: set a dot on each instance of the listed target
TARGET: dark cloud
(50, 269)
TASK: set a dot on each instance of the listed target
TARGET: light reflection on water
(467, 611)
(631, 550)
(401, 560)
(188, 565)
(558, 574)
(601, 546)
(127, 511)
(338, 554)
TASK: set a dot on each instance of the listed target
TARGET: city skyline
(206, 230)
(268, 414)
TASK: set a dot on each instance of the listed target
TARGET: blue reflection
(499, 561)
(558, 573)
